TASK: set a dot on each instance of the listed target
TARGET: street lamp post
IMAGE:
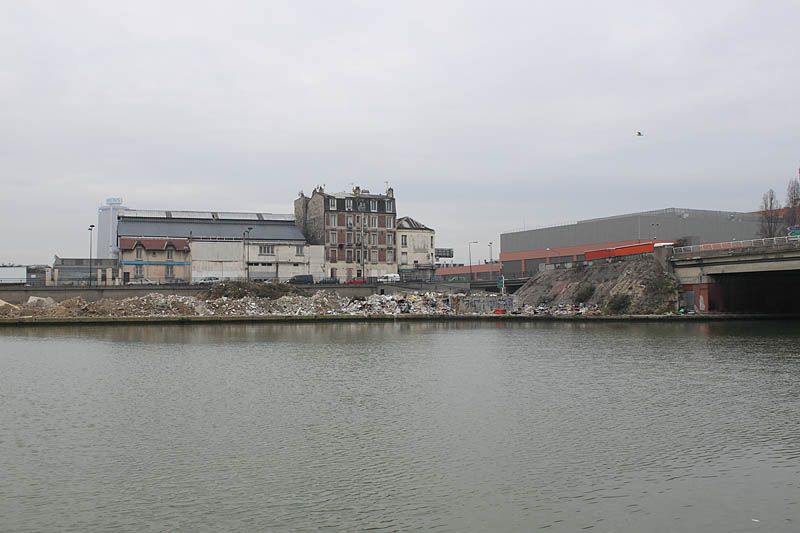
(91, 227)
(246, 238)
(654, 227)
(469, 248)
(491, 255)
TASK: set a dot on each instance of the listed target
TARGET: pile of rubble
(560, 310)
(320, 303)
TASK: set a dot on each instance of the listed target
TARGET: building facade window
(374, 238)
(373, 205)
(170, 271)
(299, 250)
(138, 252)
(358, 237)
(332, 204)
(431, 241)
(373, 221)
(404, 258)
(332, 237)
(332, 255)
(349, 221)
(170, 253)
(389, 239)
(266, 249)
(332, 220)
(389, 206)
(403, 241)
(138, 271)
(348, 204)
(374, 255)
(390, 256)
(349, 256)
(389, 221)
(358, 255)
(349, 237)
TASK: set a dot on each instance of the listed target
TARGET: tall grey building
(107, 216)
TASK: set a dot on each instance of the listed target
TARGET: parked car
(206, 280)
(389, 278)
(301, 279)
(329, 281)
(355, 281)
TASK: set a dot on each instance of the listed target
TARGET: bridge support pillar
(703, 297)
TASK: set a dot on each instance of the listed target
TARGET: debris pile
(560, 310)
(320, 303)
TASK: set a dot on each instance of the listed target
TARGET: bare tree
(792, 215)
(771, 219)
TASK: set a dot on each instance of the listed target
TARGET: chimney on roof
(390, 192)
(356, 190)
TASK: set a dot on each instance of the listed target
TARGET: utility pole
(247, 254)
(91, 227)
(469, 248)
(491, 255)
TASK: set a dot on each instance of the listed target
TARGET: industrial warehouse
(527, 252)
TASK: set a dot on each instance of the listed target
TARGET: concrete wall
(667, 224)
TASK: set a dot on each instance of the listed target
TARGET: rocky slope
(634, 286)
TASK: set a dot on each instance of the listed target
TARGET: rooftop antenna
(387, 185)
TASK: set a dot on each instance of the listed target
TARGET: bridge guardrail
(734, 245)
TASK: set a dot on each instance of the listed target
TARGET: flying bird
(639, 134)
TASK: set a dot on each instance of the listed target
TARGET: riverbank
(282, 319)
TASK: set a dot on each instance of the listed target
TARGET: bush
(583, 293)
(619, 303)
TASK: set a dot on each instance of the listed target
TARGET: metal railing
(735, 245)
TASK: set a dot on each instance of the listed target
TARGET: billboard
(443, 252)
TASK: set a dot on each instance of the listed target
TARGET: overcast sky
(483, 116)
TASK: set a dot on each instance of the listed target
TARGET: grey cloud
(481, 114)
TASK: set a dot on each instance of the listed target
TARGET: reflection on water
(449, 426)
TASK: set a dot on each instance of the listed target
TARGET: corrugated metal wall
(698, 225)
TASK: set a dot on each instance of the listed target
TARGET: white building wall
(419, 247)
(219, 259)
(284, 261)
(227, 260)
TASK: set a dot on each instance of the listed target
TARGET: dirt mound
(633, 286)
(241, 289)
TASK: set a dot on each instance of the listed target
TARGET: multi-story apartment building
(357, 229)
(416, 247)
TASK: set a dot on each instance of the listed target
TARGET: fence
(735, 245)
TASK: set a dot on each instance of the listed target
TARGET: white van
(389, 278)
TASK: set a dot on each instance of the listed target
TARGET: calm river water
(450, 427)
